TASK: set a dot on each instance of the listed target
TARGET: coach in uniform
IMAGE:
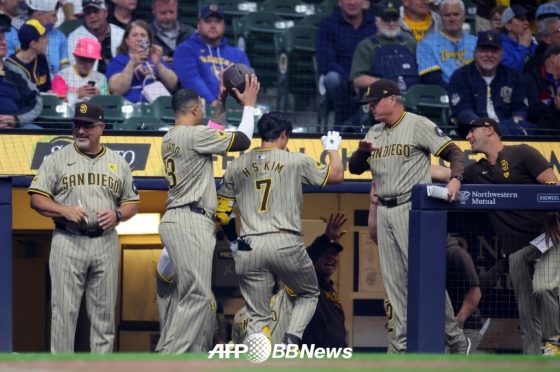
(87, 189)
(187, 228)
(397, 151)
(535, 276)
(267, 183)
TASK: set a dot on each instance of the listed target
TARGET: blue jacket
(337, 40)
(468, 94)
(198, 66)
(515, 55)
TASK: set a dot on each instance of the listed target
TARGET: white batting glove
(331, 141)
(233, 247)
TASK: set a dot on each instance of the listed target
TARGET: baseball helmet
(234, 77)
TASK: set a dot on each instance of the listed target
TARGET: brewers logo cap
(211, 9)
(489, 38)
(89, 112)
(477, 123)
(380, 89)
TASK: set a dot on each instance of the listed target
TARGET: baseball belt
(91, 233)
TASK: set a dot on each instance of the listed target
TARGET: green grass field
(199, 362)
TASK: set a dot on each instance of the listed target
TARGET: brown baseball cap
(380, 89)
(480, 122)
(89, 112)
(319, 246)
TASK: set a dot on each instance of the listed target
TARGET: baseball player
(187, 228)
(535, 275)
(452, 323)
(397, 151)
(87, 189)
(267, 184)
(281, 307)
(166, 288)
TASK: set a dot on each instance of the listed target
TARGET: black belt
(196, 209)
(92, 233)
(389, 202)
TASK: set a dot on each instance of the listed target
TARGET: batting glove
(331, 141)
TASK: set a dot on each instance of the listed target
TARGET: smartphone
(91, 82)
(145, 44)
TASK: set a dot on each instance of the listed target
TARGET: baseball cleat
(461, 347)
(551, 350)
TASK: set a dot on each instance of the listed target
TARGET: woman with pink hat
(79, 81)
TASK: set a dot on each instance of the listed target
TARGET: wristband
(217, 126)
(550, 183)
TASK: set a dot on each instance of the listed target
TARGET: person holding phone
(80, 82)
(139, 63)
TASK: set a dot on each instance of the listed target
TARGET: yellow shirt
(419, 28)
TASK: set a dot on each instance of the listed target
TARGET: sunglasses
(86, 127)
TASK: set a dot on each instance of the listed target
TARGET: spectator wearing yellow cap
(31, 58)
(80, 79)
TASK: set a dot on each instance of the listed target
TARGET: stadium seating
(322, 99)
(254, 33)
(161, 108)
(295, 49)
(143, 123)
(430, 101)
(311, 20)
(117, 108)
(289, 9)
(55, 114)
(326, 7)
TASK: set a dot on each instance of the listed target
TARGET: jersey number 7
(265, 185)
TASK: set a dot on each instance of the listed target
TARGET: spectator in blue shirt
(44, 11)
(138, 62)
(337, 38)
(199, 61)
(443, 52)
(488, 88)
(517, 38)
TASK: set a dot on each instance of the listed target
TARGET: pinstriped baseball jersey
(69, 176)
(276, 176)
(187, 156)
(404, 157)
(281, 306)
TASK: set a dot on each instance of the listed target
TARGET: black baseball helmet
(234, 77)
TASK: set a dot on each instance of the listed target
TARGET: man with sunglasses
(87, 189)
(96, 26)
(397, 151)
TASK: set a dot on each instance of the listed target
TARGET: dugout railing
(427, 244)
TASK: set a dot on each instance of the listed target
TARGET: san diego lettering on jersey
(394, 149)
(169, 148)
(98, 179)
(267, 166)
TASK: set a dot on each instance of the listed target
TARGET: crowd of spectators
(501, 72)
(121, 47)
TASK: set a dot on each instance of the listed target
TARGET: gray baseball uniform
(77, 260)
(187, 228)
(402, 162)
(267, 184)
(167, 299)
(281, 306)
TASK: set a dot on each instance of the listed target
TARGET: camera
(145, 45)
